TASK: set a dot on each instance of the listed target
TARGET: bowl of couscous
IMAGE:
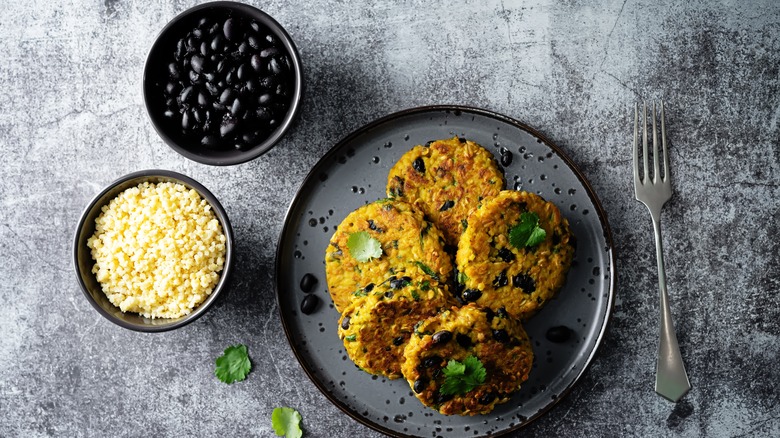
(153, 250)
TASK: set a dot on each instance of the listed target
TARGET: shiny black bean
(236, 108)
(506, 255)
(345, 323)
(369, 287)
(227, 127)
(419, 165)
(204, 23)
(486, 399)
(203, 99)
(217, 43)
(173, 88)
(274, 67)
(501, 280)
(399, 341)
(254, 42)
(227, 96)
(242, 72)
(309, 304)
(440, 398)
(388, 294)
(197, 33)
(420, 384)
(558, 334)
(200, 115)
(271, 39)
(232, 29)
(243, 47)
(173, 70)
(169, 114)
(181, 50)
(255, 27)
(196, 62)
(195, 78)
(489, 315)
(256, 62)
(442, 337)
(501, 336)
(447, 205)
(212, 88)
(506, 157)
(461, 139)
(205, 49)
(186, 122)
(431, 362)
(471, 295)
(269, 52)
(186, 95)
(308, 282)
(524, 282)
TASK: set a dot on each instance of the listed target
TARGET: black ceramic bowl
(83, 261)
(254, 131)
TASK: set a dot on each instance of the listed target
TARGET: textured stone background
(72, 120)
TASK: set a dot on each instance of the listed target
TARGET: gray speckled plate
(353, 173)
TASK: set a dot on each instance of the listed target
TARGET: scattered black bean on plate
(309, 303)
(229, 83)
(307, 283)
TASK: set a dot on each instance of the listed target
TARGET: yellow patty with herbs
(407, 241)
(469, 333)
(446, 179)
(376, 327)
(493, 272)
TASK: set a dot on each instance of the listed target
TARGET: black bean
(227, 96)
(172, 88)
(236, 108)
(501, 336)
(420, 384)
(181, 50)
(243, 72)
(227, 127)
(388, 294)
(558, 334)
(186, 95)
(345, 323)
(487, 398)
(307, 283)
(461, 139)
(205, 49)
(399, 340)
(272, 123)
(463, 340)
(440, 398)
(447, 205)
(196, 62)
(173, 70)
(431, 362)
(230, 77)
(209, 141)
(502, 313)
(193, 44)
(506, 255)
(212, 88)
(256, 62)
(222, 66)
(271, 39)
(249, 87)
(419, 165)
(524, 282)
(232, 29)
(442, 337)
(501, 280)
(203, 99)
(506, 157)
(269, 52)
(195, 78)
(471, 295)
(204, 23)
(489, 315)
(186, 123)
(200, 115)
(274, 67)
(217, 43)
(309, 303)
(197, 33)
(255, 27)
(254, 42)
(369, 287)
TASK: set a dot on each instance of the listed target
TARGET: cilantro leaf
(427, 270)
(286, 422)
(363, 247)
(462, 377)
(527, 232)
(462, 278)
(233, 365)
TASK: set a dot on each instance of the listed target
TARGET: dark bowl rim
(606, 229)
(221, 216)
(295, 104)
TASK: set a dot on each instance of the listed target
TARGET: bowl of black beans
(223, 83)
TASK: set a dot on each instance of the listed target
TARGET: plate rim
(463, 109)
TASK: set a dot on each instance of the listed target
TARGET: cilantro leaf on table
(527, 232)
(363, 247)
(286, 422)
(233, 365)
(462, 377)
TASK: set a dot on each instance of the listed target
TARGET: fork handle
(671, 380)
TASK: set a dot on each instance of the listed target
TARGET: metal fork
(671, 380)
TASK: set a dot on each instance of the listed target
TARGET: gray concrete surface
(72, 120)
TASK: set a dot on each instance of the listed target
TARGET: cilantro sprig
(363, 247)
(527, 232)
(286, 422)
(462, 377)
(233, 365)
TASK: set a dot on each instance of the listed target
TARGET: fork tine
(667, 176)
(644, 141)
(655, 149)
(636, 145)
